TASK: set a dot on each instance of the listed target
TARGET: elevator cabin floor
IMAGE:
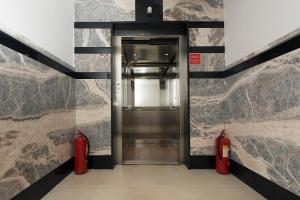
(151, 153)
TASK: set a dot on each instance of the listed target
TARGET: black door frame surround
(154, 27)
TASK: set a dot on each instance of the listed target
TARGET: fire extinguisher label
(225, 151)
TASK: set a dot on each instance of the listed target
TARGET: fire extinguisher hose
(88, 145)
(220, 155)
(219, 150)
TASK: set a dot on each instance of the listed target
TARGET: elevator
(149, 84)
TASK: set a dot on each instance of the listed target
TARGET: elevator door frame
(117, 90)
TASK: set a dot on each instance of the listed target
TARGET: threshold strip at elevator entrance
(150, 107)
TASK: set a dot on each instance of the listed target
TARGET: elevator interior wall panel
(155, 124)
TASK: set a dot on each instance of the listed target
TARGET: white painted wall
(47, 23)
(252, 24)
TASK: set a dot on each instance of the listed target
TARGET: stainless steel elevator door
(150, 135)
(150, 110)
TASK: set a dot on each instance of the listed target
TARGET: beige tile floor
(147, 182)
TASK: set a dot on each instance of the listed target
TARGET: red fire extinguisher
(222, 153)
(81, 151)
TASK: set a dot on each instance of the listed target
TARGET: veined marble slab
(209, 62)
(261, 109)
(206, 36)
(92, 62)
(193, 10)
(205, 111)
(36, 128)
(11, 83)
(104, 10)
(93, 113)
(269, 148)
(92, 37)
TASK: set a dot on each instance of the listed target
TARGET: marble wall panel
(268, 111)
(193, 10)
(206, 110)
(92, 37)
(93, 114)
(261, 109)
(92, 62)
(36, 128)
(104, 10)
(209, 62)
(10, 80)
(206, 36)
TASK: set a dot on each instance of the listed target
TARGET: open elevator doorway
(148, 99)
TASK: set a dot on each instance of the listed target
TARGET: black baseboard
(260, 184)
(263, 186)
(100, 162)
(40, 188)
(201, 162)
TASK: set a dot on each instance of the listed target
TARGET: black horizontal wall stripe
(150, 25)
(26, 50)
(135, 28)
(18, 46)
(199, 24)
(90, 75)
(152, 41)
(91, 25)
(288, 46)
(276, 51)
(92, 50)
(205, 24)
(207, 49)
(196, 75)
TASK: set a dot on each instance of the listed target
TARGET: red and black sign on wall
(195, 58)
